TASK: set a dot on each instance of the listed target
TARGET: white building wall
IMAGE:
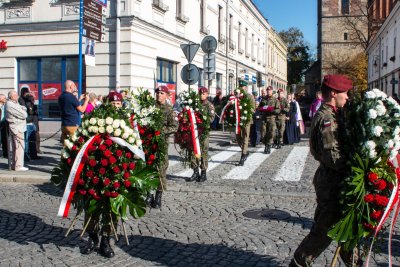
(40, 29)
(384, 55)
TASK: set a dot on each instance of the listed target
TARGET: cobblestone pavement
(199, 224)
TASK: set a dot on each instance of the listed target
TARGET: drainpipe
(227, 47)
(117, 45)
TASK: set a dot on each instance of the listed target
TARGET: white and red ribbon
(77, 167)
(194, 132)
(232, 99)
(73, 178)
(393, 204)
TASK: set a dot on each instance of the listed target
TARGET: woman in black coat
(291, 135)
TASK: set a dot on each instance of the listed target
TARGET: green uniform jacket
(327, 135)
(271, 102)
(170, 124)
(209, 110)
(284, 106)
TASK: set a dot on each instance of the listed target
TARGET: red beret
(269, 88)
(280, 90)
(162, 88)
(114, 96)
(203, 90)
(338, 82)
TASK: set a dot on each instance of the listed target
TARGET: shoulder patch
(327, 123)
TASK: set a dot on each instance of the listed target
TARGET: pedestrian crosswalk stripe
(253, 161)
(214, 161)
(292, 168)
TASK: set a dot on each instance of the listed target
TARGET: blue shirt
(69, 114)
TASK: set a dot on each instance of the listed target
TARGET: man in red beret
(327, 138)
(115, 99)
(208, 110)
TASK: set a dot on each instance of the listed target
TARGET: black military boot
(267, 149)
(202, 177)
(157, 200)
(195, 175)
(149, 199)
(105, 247)
(242, 159)
(245, 156)
(278, 144)
(92, 244)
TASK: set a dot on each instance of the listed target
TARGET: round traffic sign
(209, 44)
(190, 74)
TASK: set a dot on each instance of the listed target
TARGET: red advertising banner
(51, 91)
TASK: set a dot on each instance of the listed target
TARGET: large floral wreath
(194, 125)
(150, 121)
(371, 190)
(105, 166)
(237, 111)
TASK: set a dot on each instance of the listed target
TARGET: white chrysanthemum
(109, 120)
(392, 101)
(370, 145)
(396, 115)
(240, 107)
(232, 102)
(241, 124)
(85, 132)
(131, 140)
(187, 107)
(86, 123)
(393, 154)
(74, 137)
(64, 154)
(190, 101)
(95, 129)
(389, 144)
(122, 123)
(381, 110)
(125, 136)
(90, 129)
(101, 122)
(238, 91)
(245, 112)
(68, 143)
(138, 142)
(197, 109)
(204, 117)
(117, 132)
(102, 129)
(372, 153)
(109, 129)
(396, 131)
(377, 131)
(231, 111)
(244, 104)
(372, 114)
(379, 93)
(116, 124)
(370, 95)
(93, 121)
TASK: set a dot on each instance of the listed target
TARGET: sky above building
(283, 14)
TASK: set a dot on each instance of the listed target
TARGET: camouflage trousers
(243, 138)
(162, 170)
(327, 213)
(94, 224)
(280, 124)
(201, 162)
(270, 130)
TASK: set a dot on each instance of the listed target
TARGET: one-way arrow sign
(190, 50)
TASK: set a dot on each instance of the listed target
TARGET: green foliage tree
(299, 58)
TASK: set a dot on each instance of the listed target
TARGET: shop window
(28, 69)
(46, 77)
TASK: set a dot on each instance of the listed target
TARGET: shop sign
(3, 45)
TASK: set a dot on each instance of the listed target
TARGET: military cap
(114, 96)
(269, 88)
(203, 90)
(162, 88)
(338, 82)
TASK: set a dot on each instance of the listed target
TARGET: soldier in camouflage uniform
(281, 117)
(327, 137)
(195, 163)
(244, 137)
(270, 107)
(170, 127)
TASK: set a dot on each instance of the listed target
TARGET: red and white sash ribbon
(232, 99)
(73, 178)
(393, 205)
(77, 167)
(194, 133)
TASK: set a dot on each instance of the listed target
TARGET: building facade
(141, 49)
(340, 23)
(384, 55)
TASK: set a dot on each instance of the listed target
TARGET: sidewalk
(40, 169)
